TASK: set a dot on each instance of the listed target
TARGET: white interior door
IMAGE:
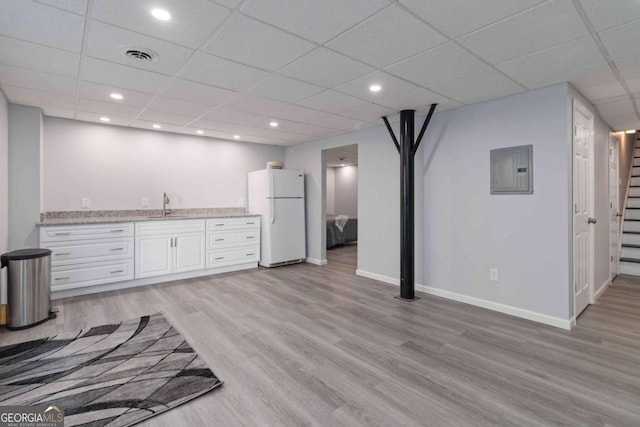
(614, 204)
(582, 207)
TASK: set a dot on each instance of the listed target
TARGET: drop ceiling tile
(220, 72)
(59, 112)
(108, 108)
(622, 41)
(172, 105)
(616, 106)
(633, 84)
(387, 37)
(163, 118)
(325, 68)
(228, 115)
(95, 118)
(34, 56)
(37, 80)
(607, 14)
(331, 101)
(251, 42)
(473, 84)
(629, 66)
(601, 92)
(102, 93)
(196, 92)
(340, 122)
(297, 113)
(315, 20)
(359, 87)
(110, 74)
(42, 24)
(597, 76)
(440, 63)
(37, 98)
(231, 4)
(291, 127)
(415, 99)
(369, 112)
(211, 125)
(192, 21)
(500, 93)
(254, 104)
(285, 89)
(109, 43)
(458, 17)
(622, 122)
(524, 33)
(75, 6)
(556, 64)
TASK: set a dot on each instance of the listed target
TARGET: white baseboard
(316, 261)
(478, 302)
(598, 293)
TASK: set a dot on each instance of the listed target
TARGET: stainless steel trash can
(28, 287)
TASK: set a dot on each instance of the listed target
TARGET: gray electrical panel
(512, 170)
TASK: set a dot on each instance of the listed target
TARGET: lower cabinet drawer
(223, 258)
(90, 251)
(80, 275)
(220, 240)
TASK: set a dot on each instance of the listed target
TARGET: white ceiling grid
(230, 67)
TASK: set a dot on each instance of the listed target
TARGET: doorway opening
(340, 216)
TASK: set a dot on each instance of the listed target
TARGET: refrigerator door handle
(273, 210)
(271, 186)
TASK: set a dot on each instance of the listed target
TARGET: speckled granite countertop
(98, 217)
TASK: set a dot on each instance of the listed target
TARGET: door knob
(592, 221)
(618, 214)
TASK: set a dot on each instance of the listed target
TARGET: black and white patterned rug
(110, 375)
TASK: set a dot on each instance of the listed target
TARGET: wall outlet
(86, 203)
(145, 202)
(241, 202)
(493, 274)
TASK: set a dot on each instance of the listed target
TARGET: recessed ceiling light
(161, 14)
(375, 88)
(342, 164)
(199, 131)
(236, 136)
(631, 131)
(156, 126)
(273, 124)
(105, 119)
(116, 96)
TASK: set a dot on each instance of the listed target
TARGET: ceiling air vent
(139, 54)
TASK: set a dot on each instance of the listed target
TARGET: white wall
(627, 144)
(346, 191)
(115, 167)
(467, 231)
(25, 139)
(331, 191)
(4, 190)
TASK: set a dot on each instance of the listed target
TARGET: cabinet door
(189, 252)
(153, 256)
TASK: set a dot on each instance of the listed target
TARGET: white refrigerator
(278, 196)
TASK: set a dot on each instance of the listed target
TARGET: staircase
(630, 256)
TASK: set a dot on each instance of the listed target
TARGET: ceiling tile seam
(191, 58)
(37, 70)
(83, 49)
(56, 7)
(605, 53)
(458, 44)
(40, 44)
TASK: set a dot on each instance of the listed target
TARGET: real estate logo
(31, 416)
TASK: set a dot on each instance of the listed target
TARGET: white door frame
(579, 108)
(614, 207)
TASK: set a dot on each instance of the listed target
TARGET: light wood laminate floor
(311, 345)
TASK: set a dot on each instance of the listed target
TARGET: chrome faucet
(165, 201)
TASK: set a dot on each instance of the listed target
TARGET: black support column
(407, 149)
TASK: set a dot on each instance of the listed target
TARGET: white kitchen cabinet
(167, 247)
(233, 242)
(88, 254)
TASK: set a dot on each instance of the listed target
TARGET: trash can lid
(21, 254)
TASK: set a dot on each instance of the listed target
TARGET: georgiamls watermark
(31, 416)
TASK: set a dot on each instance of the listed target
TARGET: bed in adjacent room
(341, 229)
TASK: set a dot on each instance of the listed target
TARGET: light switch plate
(493, 274)
(86, 203)
(145, 202)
